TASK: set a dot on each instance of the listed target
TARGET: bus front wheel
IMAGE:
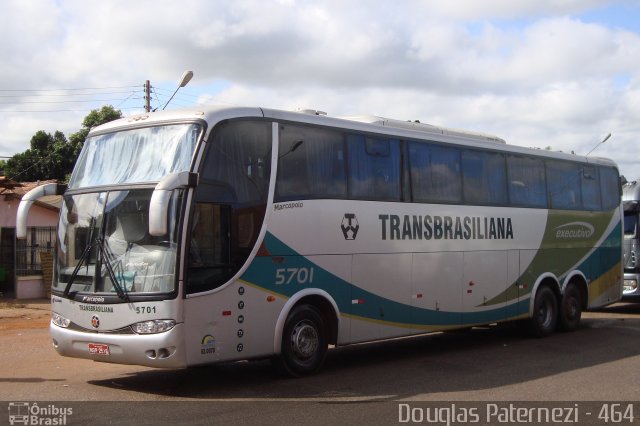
(304, 342)
(545, 313)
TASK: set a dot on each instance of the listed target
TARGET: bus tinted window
(563, 180)
(435, 173)
(590, 188)
(527, 186)
(630, 224)
(231, 201)
(374, 168)
(610, 188)
(311, 164)
(484, 178)
(238, 161)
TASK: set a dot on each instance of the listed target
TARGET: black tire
(304, 342)
(570, 308)
(545, 313)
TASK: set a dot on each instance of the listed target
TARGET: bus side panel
(485, 275)
(233, 323)
(388, 276)
(436, 286)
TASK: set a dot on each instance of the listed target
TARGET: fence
(40, 239)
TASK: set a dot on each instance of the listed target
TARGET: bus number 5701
(294, 275)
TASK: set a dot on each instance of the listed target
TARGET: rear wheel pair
(548, 314)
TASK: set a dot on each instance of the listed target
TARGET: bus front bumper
(161, 350)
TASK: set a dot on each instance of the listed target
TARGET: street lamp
(186, 78)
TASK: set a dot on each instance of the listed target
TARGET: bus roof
(363, 123)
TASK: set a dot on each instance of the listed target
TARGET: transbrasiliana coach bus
(208, 235)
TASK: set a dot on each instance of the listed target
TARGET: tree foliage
(53, 156)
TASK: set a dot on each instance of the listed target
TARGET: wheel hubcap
(573, 308)
(304, 340)
(545, 313)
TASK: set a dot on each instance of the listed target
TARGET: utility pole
(147, 96)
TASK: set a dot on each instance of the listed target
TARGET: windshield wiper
(108, 258)
(86, 254)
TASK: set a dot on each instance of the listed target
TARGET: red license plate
(98, 349)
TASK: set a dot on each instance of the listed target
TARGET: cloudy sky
(540, 73)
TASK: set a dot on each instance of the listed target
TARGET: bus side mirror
(28, 200)
(159, 204)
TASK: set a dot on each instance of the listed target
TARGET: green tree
(48, 157)
(53, 156)
(95, 118)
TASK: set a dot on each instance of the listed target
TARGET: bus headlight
(153, 327)
(630, 285)
(59, 320)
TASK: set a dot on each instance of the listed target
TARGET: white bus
(220, 234)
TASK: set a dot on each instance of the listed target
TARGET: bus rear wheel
(570, 308)
(304, 342)
(545, 313)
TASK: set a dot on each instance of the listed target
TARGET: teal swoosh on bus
(279, 256)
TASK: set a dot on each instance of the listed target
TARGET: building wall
(32, 286)
(38, 216)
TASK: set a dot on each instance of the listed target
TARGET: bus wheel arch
(545, 306)
(574, 300)
(307, 324)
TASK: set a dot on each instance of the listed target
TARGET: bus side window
(209, 263)
(563, 180)
(485, 178)
(527, 186)
(374, 168)
(311, 164)
(435, 173)
(610, 188)
(590, 188)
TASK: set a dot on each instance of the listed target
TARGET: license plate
(98, 349)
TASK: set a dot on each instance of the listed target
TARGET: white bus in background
(631, 206)
(219, 234)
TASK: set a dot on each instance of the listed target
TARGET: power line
(63, 102)
(53, 90)
(68, 94)
(56, 110)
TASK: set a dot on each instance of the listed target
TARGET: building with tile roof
(24, 264)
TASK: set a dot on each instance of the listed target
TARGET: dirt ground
(24, 315)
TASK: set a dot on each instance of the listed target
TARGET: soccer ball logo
(95, 321)
(349, 226)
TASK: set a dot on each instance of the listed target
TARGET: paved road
(361, 383)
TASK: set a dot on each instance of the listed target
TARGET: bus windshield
(630, 224)
(135, 156)
(104, 245)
